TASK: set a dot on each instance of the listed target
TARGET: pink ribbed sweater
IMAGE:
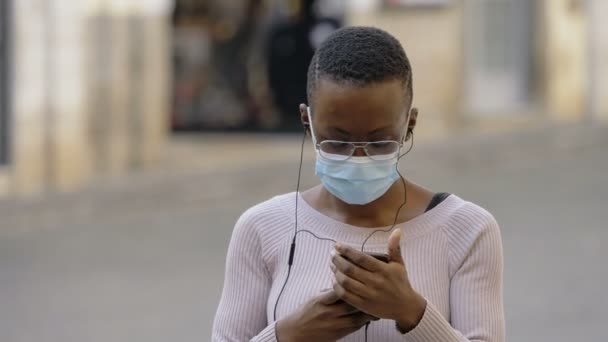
(453, 255)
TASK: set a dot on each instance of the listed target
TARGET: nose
(359, 152)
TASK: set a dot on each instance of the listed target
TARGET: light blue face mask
(357, 180)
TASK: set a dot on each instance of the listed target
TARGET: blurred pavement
(141, 258)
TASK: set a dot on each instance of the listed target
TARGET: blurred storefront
(241, 65)
(90, 89)
(598, 59)
(499, 58)
(85, 92)
(4, 82)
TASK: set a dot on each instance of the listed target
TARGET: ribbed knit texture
(453, 255)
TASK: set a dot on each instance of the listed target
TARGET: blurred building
(242, 64)
(4, 89)
(472, 59)
(86, 87)
(85, 90)
(500, 58)
(207, 38)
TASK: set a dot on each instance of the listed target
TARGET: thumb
(394, 247)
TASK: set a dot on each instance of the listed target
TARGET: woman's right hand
(324, 318)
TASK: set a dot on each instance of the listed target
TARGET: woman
(442, 280)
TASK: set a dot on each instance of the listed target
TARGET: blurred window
(499, 53)
(4, 79)
(414, 3)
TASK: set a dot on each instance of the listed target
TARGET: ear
(412, 123)
(304, 117)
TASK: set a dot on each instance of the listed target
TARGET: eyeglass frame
(356, 145)
(353, 143)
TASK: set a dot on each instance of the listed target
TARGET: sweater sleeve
(241, 315)
(476, 299)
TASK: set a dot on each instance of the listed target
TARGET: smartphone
(379, 256)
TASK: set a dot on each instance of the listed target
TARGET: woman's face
(352, 113)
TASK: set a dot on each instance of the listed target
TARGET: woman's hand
(379, 289)
(324, 318)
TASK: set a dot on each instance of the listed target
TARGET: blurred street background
(134, 133)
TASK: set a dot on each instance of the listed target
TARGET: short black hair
(360, 56)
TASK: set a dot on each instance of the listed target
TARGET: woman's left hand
(377, 288)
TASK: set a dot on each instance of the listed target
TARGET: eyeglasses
(342, 150)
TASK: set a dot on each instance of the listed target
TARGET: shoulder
(268, 210)
(471, 228)
(264, 227)
(468, 218)
(266, 218)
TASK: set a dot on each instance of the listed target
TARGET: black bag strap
(437, 198)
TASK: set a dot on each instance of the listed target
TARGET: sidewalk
(141, 258)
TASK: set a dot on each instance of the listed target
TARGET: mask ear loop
(404, 192)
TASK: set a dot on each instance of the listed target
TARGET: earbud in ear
(306, 127)
(408, 135)
(307, 124)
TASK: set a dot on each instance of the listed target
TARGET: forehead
(359, 109)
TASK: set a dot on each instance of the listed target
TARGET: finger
(351, 285)
(349, 297)
(342, 308)
(348, 268)
(394, 247)
(359, 258)
(328, 297)
(370, 317)
(356, 320)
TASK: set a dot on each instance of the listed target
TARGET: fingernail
(332, 253)
(338, 247)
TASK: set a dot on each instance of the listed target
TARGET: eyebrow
(345, 133)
